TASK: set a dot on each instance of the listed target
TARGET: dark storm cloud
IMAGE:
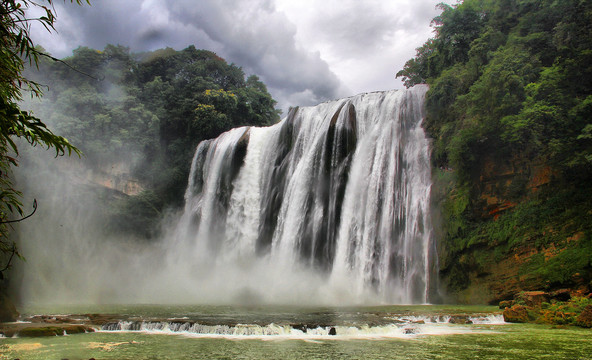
(254, 35)
(251, 34)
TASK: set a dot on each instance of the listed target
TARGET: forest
(510, 109)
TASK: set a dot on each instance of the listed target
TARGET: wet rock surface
(42, 329)
(516, 314)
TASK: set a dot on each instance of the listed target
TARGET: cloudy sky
(306, 51)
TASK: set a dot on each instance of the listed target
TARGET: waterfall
(333, 198)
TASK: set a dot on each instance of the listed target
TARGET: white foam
(286, 332)
(492, 319)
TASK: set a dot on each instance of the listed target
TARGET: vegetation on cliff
(149, 110)
(509, 109)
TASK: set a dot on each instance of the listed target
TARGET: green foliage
(560, 312)
(208, 120)
(508, 76)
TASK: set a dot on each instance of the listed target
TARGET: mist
(72, 259)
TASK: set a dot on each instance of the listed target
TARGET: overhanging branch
(26, 217)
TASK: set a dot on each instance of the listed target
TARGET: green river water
(387, 332)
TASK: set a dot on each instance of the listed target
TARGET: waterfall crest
(333, 201)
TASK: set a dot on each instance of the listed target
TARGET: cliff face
(502, 185)
(529, 231)
(115, 176)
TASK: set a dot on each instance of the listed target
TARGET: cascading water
(333, 201)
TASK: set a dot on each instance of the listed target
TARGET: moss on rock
(577, 311)
(516, 314)
(42, 330)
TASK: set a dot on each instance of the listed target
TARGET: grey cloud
(251, 34)
(262, 40)
(95, 25)
(353, 28)
(152, 36)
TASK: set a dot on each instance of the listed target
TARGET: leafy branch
(17, 49)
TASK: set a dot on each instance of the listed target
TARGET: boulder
(460, 319)
(516, 314)
(532, 298)
(40, 331)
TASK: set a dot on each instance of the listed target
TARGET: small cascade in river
(334, 200)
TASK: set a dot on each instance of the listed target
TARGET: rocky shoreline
(556, 308)
(55, 325)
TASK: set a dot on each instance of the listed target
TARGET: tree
(17, 49)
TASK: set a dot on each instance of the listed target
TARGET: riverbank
(22, 330)
(544, 308)
(54, 325)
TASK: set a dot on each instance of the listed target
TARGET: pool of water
(223, 332)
